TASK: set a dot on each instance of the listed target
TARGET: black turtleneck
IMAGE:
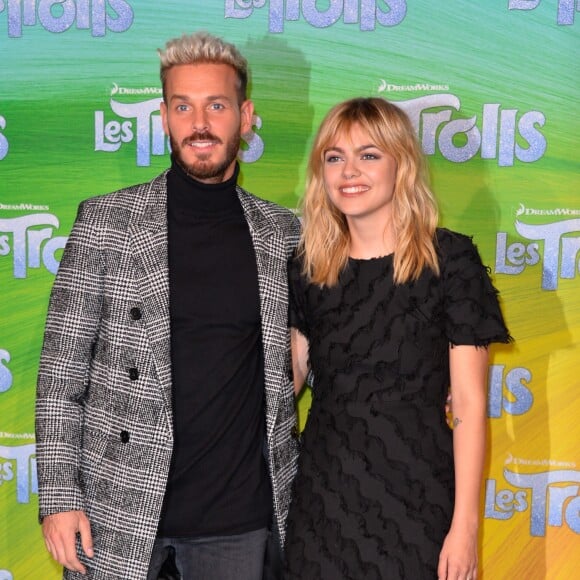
(218, 483)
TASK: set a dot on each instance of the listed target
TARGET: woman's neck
(370, 238)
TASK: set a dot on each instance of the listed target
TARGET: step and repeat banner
(492, 89)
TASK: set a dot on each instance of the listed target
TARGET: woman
(388, 311)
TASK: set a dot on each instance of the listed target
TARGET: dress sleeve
(473, 314)
(297, 316)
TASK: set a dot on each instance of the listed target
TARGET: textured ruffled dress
(375, 488)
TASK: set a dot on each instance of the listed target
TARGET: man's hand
(60, 530)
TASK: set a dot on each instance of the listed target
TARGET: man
(165, 412)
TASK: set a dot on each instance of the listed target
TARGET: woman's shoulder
(296, 268)
(453, 245)
(449, 239)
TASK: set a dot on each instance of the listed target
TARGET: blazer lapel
(148, 242)
(268, 242)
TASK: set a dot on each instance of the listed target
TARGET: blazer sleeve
(72, 326)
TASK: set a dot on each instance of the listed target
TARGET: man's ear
(247, 115)
(163, 111)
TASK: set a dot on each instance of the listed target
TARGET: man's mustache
(201, 136)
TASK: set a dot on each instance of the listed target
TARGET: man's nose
(199, 120)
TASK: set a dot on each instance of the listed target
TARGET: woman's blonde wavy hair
(325, 242)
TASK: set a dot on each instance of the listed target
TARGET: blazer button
(135, 313)
(133, 374)
(124, 435)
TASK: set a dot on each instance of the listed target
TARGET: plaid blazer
(103, 410)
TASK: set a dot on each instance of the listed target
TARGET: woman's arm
(468, 369)
(300, 366)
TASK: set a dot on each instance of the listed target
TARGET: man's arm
(71, 329)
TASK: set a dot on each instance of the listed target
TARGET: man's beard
(203, 170)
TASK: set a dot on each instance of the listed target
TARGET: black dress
(375, 487)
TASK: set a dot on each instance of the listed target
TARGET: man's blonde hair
(325, 242)
(204, 48)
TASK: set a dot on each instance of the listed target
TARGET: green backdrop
(492, 89)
